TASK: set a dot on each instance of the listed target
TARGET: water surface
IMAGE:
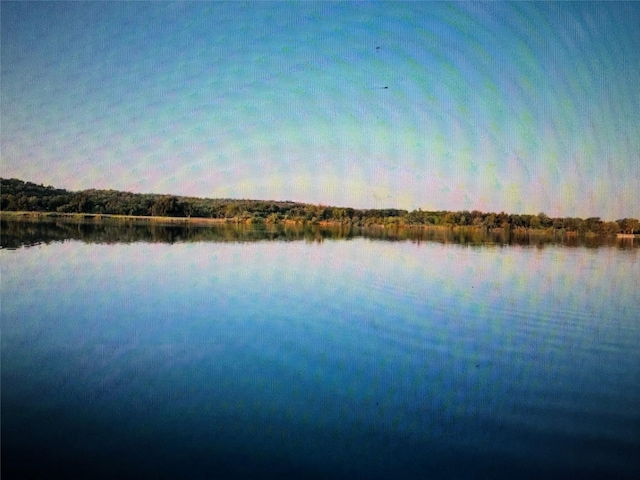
(342, 358)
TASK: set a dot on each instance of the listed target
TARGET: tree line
(18, 195)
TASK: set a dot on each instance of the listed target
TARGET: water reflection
(352, 359)
(17, 234)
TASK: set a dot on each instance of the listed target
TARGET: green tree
(490, 221)
(611, 228)
(628, 225)
(545, 221)
(535, 222)
(593, 225)
(167, 206)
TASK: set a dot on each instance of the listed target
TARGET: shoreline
(25, 215)
(34, 216)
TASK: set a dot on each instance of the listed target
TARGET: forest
(18, 195)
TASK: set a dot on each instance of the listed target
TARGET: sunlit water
(339, 359)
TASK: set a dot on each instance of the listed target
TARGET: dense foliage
(17, 195)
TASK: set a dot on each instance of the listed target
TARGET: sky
(515, 107)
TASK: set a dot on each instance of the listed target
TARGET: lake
(223, 353)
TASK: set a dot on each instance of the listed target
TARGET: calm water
(347, 358)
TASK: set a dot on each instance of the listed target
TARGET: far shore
(203, 221)
(97, 217)
(105, 216)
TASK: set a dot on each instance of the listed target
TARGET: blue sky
(520, 107)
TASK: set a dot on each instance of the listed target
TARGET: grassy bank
(89, 217)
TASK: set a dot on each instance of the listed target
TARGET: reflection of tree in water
(16, 234)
